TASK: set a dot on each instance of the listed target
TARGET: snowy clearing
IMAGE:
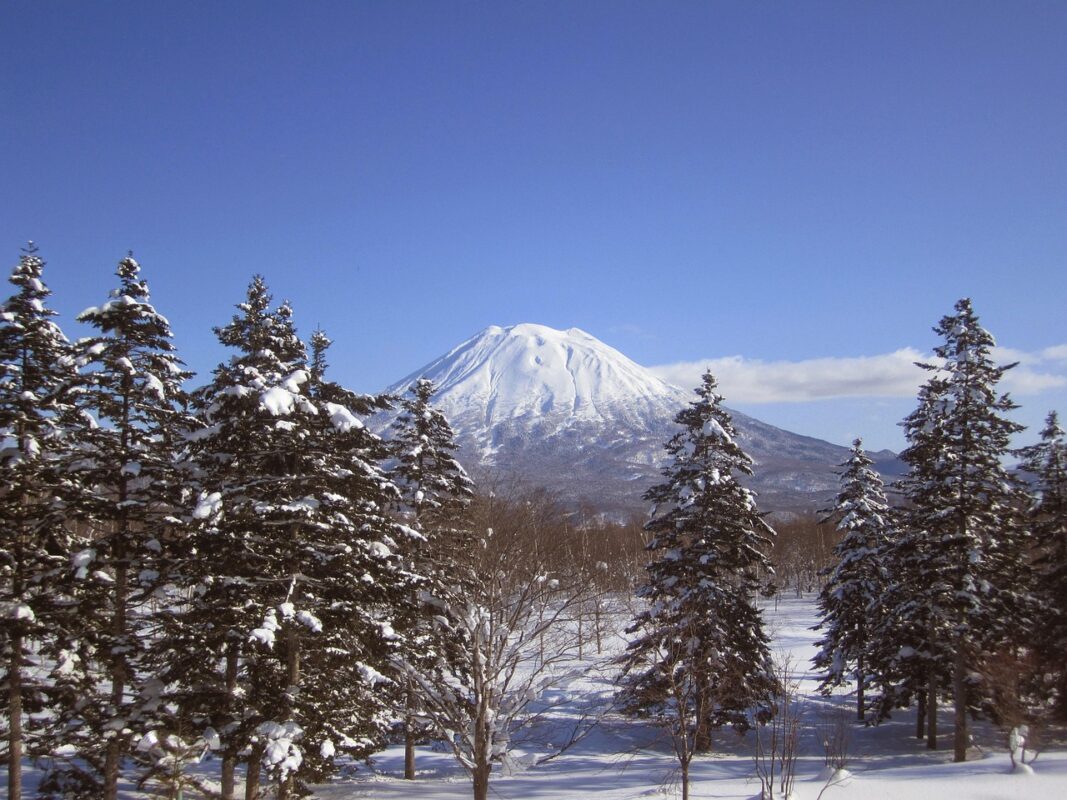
(623, 758)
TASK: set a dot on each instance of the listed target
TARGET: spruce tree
(38, 425)
(131, 489)
(1046, 461)
(435, 493)
(367, 584)
(202, 647)
(295, 607)
(434, 484)
(702, 628)
(856, 582)
(966, 547)
(907, 659)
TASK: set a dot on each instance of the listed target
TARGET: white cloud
(1055, 353)
(893, 374)
(1024, 381)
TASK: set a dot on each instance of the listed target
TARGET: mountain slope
(563, 410)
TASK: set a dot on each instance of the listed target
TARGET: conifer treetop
(707, 546)
(1047, 460)
(424, 443)
(37, 367)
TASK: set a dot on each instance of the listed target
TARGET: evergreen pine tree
(1047, 462)
(965, 547)
(295, 607)
(857, 580)
(367, 585)
(435, 486)
(131, 488)
(435, 494)
(37, 423)
(702, 628)
(907, 658)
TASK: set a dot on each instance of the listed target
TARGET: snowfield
(623, 759)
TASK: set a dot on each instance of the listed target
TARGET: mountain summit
(563, 410)
(525, 380)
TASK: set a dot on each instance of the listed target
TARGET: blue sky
(796, 192)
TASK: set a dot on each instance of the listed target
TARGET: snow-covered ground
(623, 759)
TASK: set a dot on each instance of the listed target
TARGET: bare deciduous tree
(776, 742)
(518, 626)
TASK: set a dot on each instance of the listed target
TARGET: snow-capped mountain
(563, 410)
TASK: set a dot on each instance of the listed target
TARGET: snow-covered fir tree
(37, 423)
(1046, 461)
(857, 580)
(130, 490)
(436, 491)
(363, 632)
(708, 542)
(295, 571)
(965, 550)
(434, 484)
(906, 659)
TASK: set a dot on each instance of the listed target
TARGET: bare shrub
(519, 636)
(835, 734)
(776, 742)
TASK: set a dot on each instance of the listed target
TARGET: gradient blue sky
(687, 181)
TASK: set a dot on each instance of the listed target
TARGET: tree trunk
(409, 734)
(14, 731)
(931, 710)
(685, 779)
(480, 782)
(859, 688)
(483, 763)
(229, 763)
(702, 733)
(292, 661)
(292, 665)
(115, 747)
(920, 718)
(581, 635)
(229, 756)
(252, 773)
(597, 621)
(931, 689)
(702, 737)
(959, 700)
(120, 596)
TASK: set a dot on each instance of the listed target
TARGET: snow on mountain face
(563, 410)
(535, 378)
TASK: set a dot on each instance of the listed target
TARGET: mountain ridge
(563, 410)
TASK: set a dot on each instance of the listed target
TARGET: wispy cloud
(631, 329)
(893, 374)
(1055, 353)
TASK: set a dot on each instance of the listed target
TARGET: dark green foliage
(130, 489)
(959, 566)
(1046, 461)
(294, 568)
(37, 423)
(702, 629)
(436, 492)
(857, 581)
